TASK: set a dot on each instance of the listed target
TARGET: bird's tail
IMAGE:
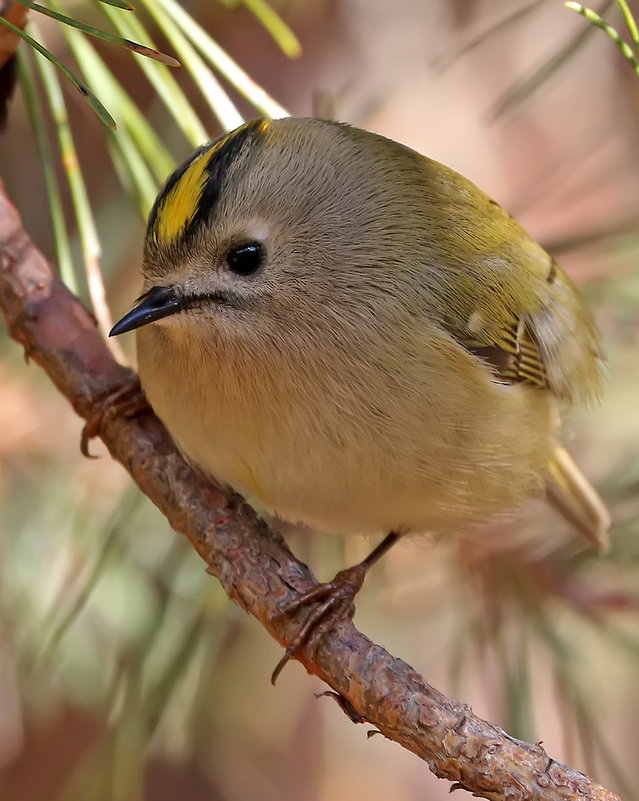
(570, 492)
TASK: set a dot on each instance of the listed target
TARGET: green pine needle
(149, 52)
(139, 156)
(218, 100)
(119, 4)
(162, 80)
(629, 20)
(84, 90)
(275, 25)
(596, 20)
(33, 107)
(222, 62)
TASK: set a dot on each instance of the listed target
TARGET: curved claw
(126, 401)
(337, 598)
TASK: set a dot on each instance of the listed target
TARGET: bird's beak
(158, 302)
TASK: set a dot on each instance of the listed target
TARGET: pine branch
(253, 563)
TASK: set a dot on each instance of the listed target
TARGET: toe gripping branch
(126, 401)
(336, 602)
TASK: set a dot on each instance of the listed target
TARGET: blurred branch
(448, 59)
(252, 562)
(523, 88)
(606, 234)
(16, 15)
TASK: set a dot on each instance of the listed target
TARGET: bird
(354, 337)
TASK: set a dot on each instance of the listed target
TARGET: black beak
(158, 302)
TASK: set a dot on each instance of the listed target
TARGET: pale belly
(399, 464)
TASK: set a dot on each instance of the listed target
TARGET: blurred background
(125, 673)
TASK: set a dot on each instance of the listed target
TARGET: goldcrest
(355, 337)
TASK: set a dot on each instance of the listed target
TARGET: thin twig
(253, 563)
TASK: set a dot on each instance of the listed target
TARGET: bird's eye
(245, 259)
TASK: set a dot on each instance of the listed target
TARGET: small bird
(355, 337)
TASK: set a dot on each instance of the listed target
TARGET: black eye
(245, 259)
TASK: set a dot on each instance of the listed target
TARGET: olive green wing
(497, 292)
(522, 314)
(548, 340)
(514, 357)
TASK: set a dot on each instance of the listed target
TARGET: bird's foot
(127, 401)
(335, 603)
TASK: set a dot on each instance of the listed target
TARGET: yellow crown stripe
(180, 205)
(182, 202)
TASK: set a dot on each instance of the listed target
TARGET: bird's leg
(336, 599)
